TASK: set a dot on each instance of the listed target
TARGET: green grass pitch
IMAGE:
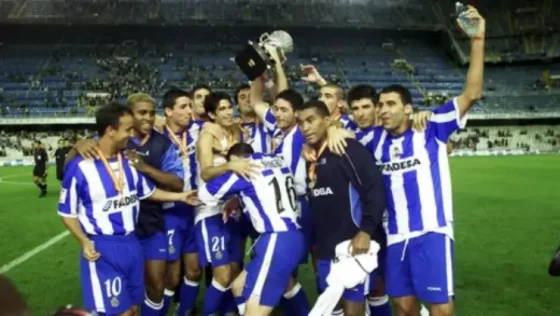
(507, 214)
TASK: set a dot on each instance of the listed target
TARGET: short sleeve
(270, 125)
(171, 163)
(224, 185)
(446, 119)
(72, 181)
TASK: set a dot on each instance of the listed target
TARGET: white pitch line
(26, 256)
(15, 182)
(15, 175)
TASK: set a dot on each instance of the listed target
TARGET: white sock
(424, 311)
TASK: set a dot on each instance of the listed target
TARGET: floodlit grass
(507, 213)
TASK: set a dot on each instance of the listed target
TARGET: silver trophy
(256, 58)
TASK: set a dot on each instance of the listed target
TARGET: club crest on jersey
(115, 301)
(395, 151)
(63, 193)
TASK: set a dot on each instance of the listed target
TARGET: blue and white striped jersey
(89, 194)
(190, 168)
(291, 148)
(270, 200)
(257, 135)
(348, 123)
(415, 167)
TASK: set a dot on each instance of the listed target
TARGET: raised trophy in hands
(256, 58)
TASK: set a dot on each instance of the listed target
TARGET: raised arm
(473, 85)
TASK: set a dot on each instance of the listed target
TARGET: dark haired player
(179, 218)
(100, 205)
(347, 198)
(40, 171)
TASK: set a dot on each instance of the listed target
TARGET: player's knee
(238, 283)
(354, 309)
(441, 309)
(407, 310)
(173, 278)
(291, 284)
(222, 275)
(193, 273)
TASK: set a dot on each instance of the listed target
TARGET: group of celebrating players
(154, 200)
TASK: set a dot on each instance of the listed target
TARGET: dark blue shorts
(422, 267)
(115, 282)
(277, 256)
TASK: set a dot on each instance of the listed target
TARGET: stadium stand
(69, 75)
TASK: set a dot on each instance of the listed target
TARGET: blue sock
(295, 302)
(167, 298)
(150, 308)
(229, 305)
(379, 306)
(189, 292)
(240, 301)
(213, 298)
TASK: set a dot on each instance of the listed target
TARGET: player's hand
(191, 198)
(135, 160)
(420, 120)
(244, 168)
(311, 74)
(87, 148)
(159, 123)
(473, 15)
(336, 139)
(89, 250)
(231, 209)
(360, 243)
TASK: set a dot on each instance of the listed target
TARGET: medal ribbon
(145, 140)
(314, 156)
(118, 183)
(181, 144)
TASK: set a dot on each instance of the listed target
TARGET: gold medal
(311, 184)
(182, 144)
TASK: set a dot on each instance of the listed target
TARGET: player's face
(121, 135)
(224, 114)
(331, 97)
(284, 114)
(144, 116)
(244, 101)
(313, 126)
(364, 112)
(181, 112)
(199, 97)
(392, 112)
